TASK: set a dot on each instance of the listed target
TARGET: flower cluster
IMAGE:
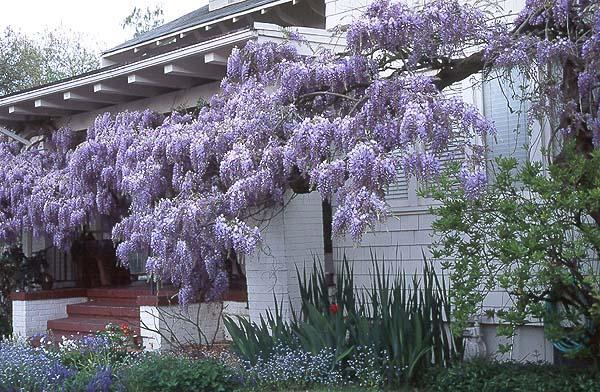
(573, 47)
(102, 381)
(296, 367)
(367, 367)
(24, 368)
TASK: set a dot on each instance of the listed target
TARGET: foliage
(9, 263)
(401, 324)
(166, 373)
(532, 235)
(100, 379)
(143, 20)
(489, 376)
(120, 336)
(189, 190)
(97, 363)
(27, 61)
(17, 272)
(106, 349)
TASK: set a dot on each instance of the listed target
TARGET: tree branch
(458, 70)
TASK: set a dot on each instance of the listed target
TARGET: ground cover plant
(100, 362)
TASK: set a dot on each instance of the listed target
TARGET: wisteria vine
(183, 188)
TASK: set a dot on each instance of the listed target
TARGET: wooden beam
(206, 71)
(70, 106)
(166, 42)
(75, 97)
(23, 111)
(129, 91)
(14, 136)
(5, 117)
(215, 58)
(140, 80)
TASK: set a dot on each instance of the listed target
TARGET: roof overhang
(204, 25)
(179, 69)
(187, 68)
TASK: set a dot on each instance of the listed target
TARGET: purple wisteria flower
(184, 189)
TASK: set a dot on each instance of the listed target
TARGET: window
(503, 105)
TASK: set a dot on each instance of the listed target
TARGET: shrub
(164, 373)
(533, 235)
(24, 368)
(100, 379)
(491, 376)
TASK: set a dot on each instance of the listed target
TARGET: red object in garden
(333, 308)
(125, 328)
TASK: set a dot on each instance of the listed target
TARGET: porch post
(292, 237)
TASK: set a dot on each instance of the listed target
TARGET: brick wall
(165, 327)
(31, 317)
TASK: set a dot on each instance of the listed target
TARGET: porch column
(292, 237)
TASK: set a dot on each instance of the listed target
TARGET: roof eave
(185, 30)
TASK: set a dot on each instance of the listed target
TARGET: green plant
(10, 259)
(16, 272)
(257, 341)
(491, 376)
(533, 234)
(404, 323)
(164, 373)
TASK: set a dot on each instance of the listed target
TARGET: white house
(175, 66)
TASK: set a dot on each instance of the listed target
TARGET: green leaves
(405, 322)
(154, 372)
(535, 234)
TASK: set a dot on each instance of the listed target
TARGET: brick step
(118, 292)
(103, 310)
(124, 295)
(86, 325)
(114, 301)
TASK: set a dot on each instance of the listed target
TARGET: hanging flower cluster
(185, 188)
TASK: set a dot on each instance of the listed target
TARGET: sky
(100, 20)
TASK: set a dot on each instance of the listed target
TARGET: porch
(153, 316)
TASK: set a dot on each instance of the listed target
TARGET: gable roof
(197, 17)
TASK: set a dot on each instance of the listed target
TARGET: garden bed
(108, 362)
